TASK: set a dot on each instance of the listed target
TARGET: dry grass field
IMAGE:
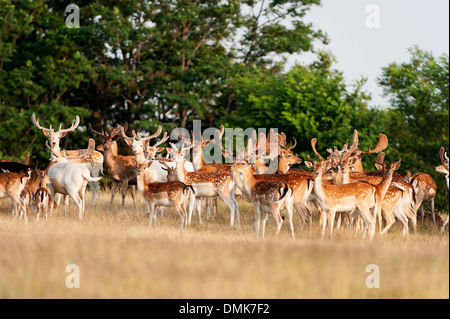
(119, 256)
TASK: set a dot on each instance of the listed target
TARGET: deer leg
(78, 201)
(230, 203)
(445, 223)
(124, 192)
(113, 191)
(133, 194)
(257, 218)
(432, 211)
(199, 209)
(390, 220)
(236, 206)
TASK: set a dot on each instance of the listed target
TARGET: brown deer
(119, 167)
(443, 168)
(12, 185)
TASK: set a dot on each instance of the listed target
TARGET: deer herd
(339, 189)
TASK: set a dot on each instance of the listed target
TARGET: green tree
(418, 117)
(305, 102)
(141, 63)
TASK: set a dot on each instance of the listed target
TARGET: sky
(367, 35)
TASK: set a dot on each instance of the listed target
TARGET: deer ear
(46, 133)
(100, 148)
(159, 149)
(115, 137)
(309, 164)
(169, 150)
(62, 134)
(129, 142)
(396, 167)
(379, 166)
(132, 162)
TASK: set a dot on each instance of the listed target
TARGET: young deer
(12, 185)
(42, 199)
(168, 194)
(95, 159)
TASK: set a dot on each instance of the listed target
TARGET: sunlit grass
(121, 257)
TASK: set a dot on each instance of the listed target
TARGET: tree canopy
(168, 62)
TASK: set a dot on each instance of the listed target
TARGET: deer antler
(381, 145)
(95, 132)
(36, 123)
(72, 127)
(164, 138)
(313, 145)
(380, 158)
(292, 145)
(91, 147)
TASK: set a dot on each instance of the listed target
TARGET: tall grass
(119, 256)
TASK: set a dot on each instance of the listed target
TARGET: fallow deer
(69, 179)
(168, 194)
(359, 196)
(119, 167)
(95, 159)
(12, 185)
(207, 184)
(267, 197)
(443, 168)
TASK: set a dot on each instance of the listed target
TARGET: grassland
(119, 256)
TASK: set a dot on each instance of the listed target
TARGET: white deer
(69, 178)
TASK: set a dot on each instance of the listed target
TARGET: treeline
(146, 63)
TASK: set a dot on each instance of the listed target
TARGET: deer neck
(248, 180)
(357, 167)
(140, 158)
(140, 182)
(283, 166)
(181, 172)
(384, 185)
(197, 158)
(345, 177)
(260, 166)
(318, 187)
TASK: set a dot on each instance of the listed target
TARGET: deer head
(54, 137)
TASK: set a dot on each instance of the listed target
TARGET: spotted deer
(168, 194)
(358, 196)
(207, 184)
(267, 197)
(12, 185)
(95, 159)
